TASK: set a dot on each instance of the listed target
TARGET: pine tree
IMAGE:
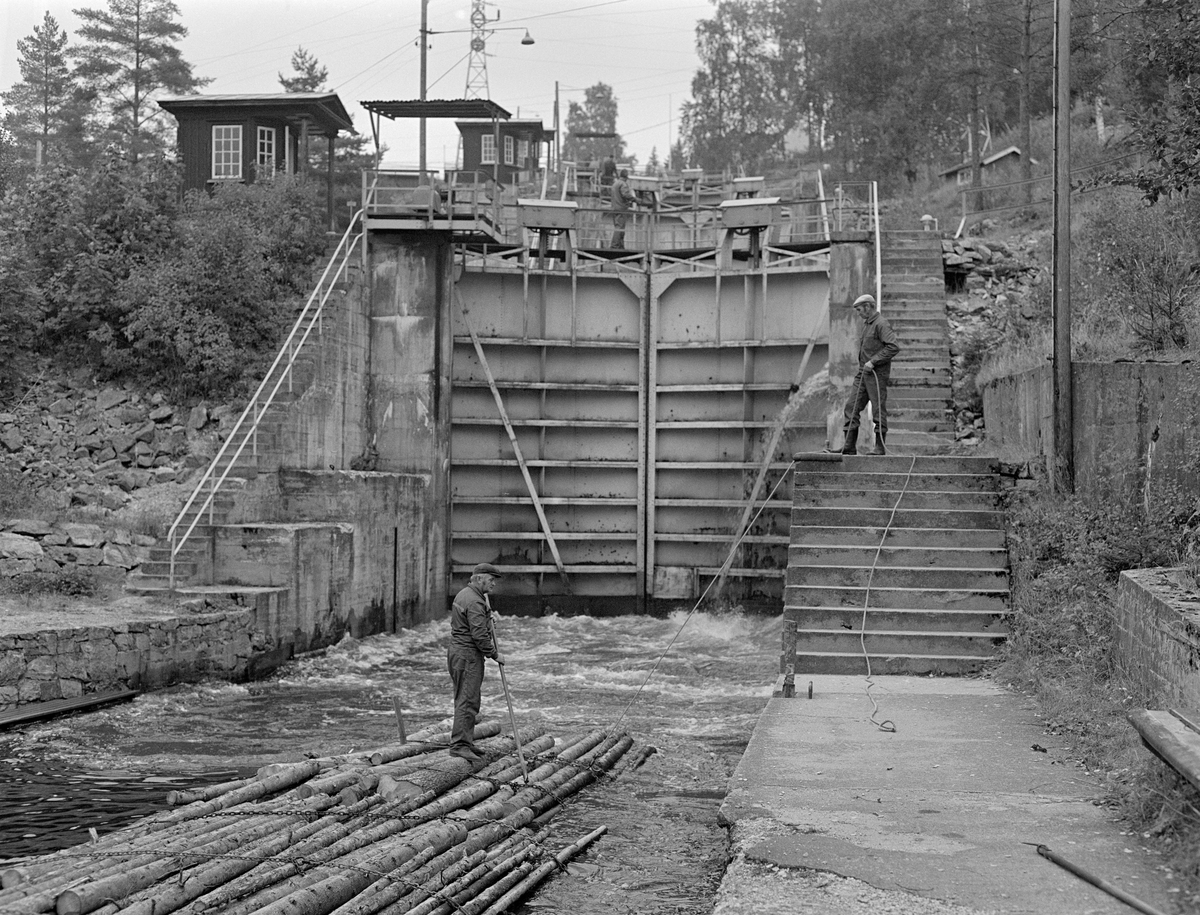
(310, 75)
(129, 53)
(47, 107)
(351, 155)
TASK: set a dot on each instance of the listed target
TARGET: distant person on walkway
(877, 347)
(608, 172)
(470, 642)
(623, 198)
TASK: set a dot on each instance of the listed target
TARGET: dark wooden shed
(507, 150)
(243, 137)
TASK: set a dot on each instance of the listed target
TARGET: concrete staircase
(920, 402)
(917, 541)
(264, 451)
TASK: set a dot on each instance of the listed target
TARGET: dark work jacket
(469, 623)
(877, 342)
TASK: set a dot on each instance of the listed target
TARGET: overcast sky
(644, 49)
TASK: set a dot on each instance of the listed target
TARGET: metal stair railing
(258, 405)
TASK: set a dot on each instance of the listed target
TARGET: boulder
(162, 414)
(11, 440)
(31, 527)
(123, 556)
(20, 548)
(197, 417)
(110, 397)
(83, 535)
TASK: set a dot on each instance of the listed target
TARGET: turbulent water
(664, 851)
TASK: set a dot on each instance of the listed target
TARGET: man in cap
(470, 642)
(877, 346)
(623, 198)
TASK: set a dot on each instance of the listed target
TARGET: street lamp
(426, 32)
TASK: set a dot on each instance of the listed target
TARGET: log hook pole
(512, 718)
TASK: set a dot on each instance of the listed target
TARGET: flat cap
(865, 299)
(488, 568)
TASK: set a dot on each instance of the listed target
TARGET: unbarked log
(258, 848)
(541, 872)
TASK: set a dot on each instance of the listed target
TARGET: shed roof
(324, 109)
(439, 108)
(994, 157)
(513, 125)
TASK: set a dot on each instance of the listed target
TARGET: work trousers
(466, 673)
(619, 218)
(868, 387)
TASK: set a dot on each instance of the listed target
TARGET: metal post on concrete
(1063, 471)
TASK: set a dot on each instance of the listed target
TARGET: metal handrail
(878, 247)
(308, 315)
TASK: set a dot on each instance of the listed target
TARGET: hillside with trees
(896, 91)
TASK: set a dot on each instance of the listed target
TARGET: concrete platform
(830, 814)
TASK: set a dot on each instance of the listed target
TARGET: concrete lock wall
(1158, 636)
(851, 274)
(1133, 421)
(328, 424)
(411, 343)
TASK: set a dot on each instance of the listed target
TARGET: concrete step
(833, 516)
(949, 464)
(911, 411)
(850, 619)
(801, 554)
(863, 575)
(851, 664)
(915, 394)
(813, 537)
(994, 601)
(899, 424)
(803, 496)
(895, 481)
(889, 643)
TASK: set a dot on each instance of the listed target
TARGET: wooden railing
(245, 431)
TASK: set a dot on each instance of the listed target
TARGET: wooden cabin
(506, 151)
(997, 163)
(243, 137)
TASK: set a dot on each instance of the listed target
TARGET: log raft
(401, 830)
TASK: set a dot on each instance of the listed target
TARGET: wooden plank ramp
(1173, 736)
(405, 828)
(37, 711)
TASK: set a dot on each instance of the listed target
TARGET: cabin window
(266, 150)
(508, 150)
(487, 151)
(522, 151)
(227, 152)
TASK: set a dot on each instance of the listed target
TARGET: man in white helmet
(877, 346)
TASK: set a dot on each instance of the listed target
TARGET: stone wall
(1158, 636)
(65, 663)
(1133, 421)
(39, 546)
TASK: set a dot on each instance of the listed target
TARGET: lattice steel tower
(477, 78)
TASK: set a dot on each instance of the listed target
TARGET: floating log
(541, 872)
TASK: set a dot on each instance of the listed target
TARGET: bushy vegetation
(1068, 555)
(109, 266)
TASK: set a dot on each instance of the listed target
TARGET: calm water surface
(664, 852)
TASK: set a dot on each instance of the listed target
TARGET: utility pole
(424, 48)
(1063, 471)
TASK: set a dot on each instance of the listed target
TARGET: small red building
(242, 137)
